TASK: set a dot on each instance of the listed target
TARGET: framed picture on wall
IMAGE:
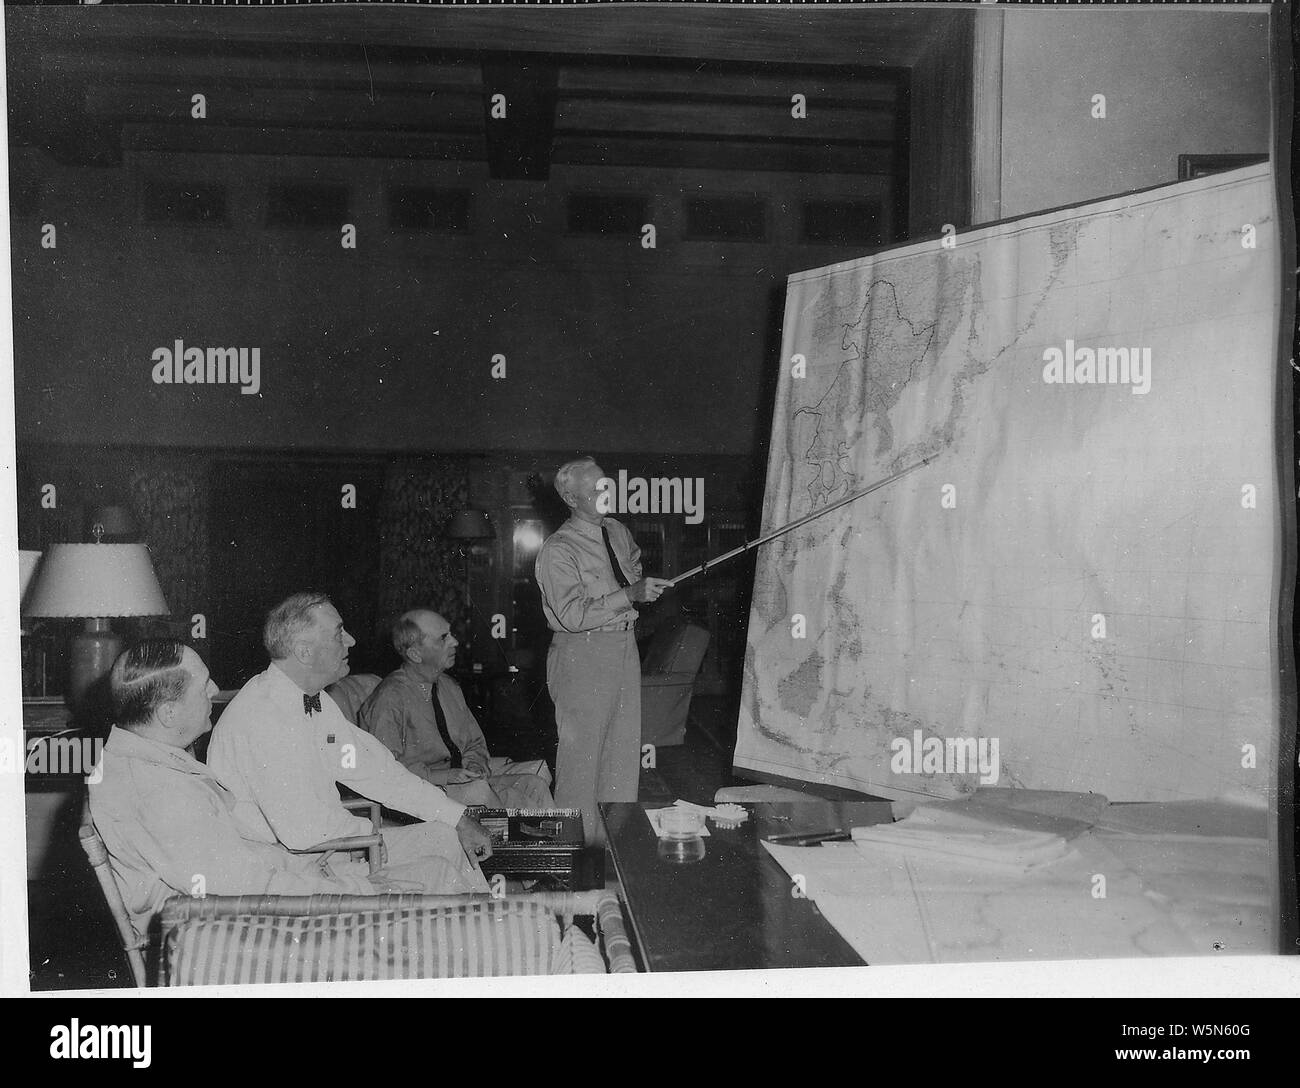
(1197, 166)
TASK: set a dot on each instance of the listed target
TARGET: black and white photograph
(651, 491)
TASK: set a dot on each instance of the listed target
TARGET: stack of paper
(956, 838)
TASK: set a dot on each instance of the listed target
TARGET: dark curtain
(417, 565)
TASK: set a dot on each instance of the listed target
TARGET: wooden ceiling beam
(859, 36)
(743, 155)
(257, 107)
(706, 117)
(327, 143)
(120, 62)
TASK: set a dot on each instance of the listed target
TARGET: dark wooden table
(734, 909)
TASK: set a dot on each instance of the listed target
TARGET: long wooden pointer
(711, 563)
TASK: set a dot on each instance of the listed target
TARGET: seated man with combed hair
(167, 823)
(283, 747)
(418, 711)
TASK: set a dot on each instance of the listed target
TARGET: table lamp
(469, 526)
(94, 582)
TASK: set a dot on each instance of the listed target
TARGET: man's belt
(609, 628)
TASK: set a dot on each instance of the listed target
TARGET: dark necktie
(310, 704)
(441, 718)
(623, 583)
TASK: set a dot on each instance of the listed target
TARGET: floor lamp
(468, 527)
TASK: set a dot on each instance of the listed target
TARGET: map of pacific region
(1006, 589)
(884, 348)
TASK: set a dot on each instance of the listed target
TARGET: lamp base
(91, 657)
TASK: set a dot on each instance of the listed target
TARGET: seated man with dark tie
(282, 747)
(418, 711)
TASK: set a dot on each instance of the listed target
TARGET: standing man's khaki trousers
(595, 681)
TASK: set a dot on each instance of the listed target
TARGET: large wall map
(1085, 572)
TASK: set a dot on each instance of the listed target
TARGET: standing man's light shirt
(579, 591)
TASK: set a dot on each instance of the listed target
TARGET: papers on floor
(1208, 862)
(934, 834)
(964, 882)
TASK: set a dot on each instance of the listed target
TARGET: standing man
(589, 572)
(420, 714)
(282, 747)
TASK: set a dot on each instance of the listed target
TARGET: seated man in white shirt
(419, 712)
(167, 823)
(282, 747)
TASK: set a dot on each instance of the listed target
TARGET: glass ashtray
(680, 823)
(681, 851)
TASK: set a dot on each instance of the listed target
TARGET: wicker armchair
(97, 854)
(372, 844)
(249, 939)
(136, 946)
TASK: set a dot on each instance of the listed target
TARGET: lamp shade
(471, 524)
(87, 580)
(27, 562)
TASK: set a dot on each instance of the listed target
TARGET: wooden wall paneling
(277, 526)
(986, 135)
(941, 123)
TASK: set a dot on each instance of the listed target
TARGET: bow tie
(311, 703)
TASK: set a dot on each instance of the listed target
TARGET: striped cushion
(497, 937)
(578, 956)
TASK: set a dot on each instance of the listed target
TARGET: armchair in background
(668, 672)
(350, 692)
